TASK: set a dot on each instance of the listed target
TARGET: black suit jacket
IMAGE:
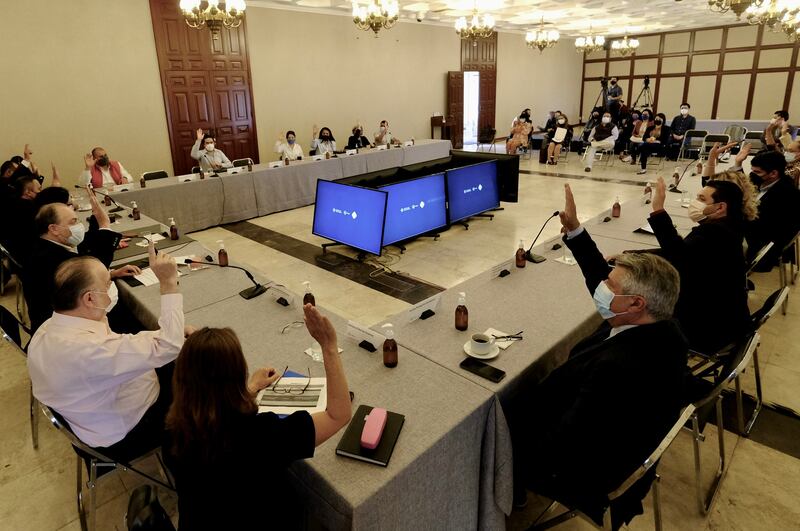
(778, 221)
(40, 267)
(712, 306)
(354, 142)
(601, 413)
(18, 232)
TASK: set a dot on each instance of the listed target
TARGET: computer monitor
(350, 215)
(414, 207)
(472, 190)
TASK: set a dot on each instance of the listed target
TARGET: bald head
(75, 278)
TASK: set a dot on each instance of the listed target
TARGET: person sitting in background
(324, 144)
(637, 135)
(600, 388)
(594, 120)
(217, 438)
(602, 136)
(792, 155)
(357, 140)
(680, 124)
(383, 137)
(626, 121)
(16, 217)
(26, 166)
(107, 386)
(289, 150)
(710, 260)
(778, 209)
(656, 139)
(526, 112)
(778, 134)
(519, 135)
(209, 157)
(554, 146)
(101, 171)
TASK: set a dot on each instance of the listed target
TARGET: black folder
(350, 445)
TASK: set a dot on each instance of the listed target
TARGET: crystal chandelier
(542, 38)
(772, 13)
(475, 29)
(590, 43)
(213, 14)
(791, 25)
(378, 15)
(737, 6)
(626, 46)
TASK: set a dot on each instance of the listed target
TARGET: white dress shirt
(102, 382)
(206, 158)
(387, 138)
(320, 147)
(288, 151)
(108, 180)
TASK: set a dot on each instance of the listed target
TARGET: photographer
(614, 99)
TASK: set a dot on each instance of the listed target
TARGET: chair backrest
(759, 256)
(736, 132)
(63, 427)
(5, 253)
(151, 175)
(770, 306)
(653, 458)
(736, 361)
(791, 242)
(694, 137)
(195, 169)
(244, 162)
(10, 328)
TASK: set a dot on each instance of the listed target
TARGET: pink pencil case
(373, 428)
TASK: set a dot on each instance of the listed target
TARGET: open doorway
(472, 82)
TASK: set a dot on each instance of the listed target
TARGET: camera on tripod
(604, 82)
(647, 81)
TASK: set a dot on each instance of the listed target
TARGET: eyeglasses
(291, 389)
(294, 324)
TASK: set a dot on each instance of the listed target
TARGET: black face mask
(326, 137)
(613, 82)
(357, 133)
(756, 179)
(659, 122)
(103, 161)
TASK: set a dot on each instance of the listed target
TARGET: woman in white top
(289, 150)
(325, 143)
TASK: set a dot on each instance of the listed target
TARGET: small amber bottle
(462, 315)
(389, 347)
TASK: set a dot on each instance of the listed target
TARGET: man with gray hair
(582, 431)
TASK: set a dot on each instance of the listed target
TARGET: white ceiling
(570, 17)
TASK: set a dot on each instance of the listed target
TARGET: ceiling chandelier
(773, 13)
(476, 28)
(589, 43)
(213, 14)
(737, 6)
(541, 38)
(378, 15)
(626, 46)
(791, 25)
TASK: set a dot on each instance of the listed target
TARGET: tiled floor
(762, 485)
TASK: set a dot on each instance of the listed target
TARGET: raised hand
(314, 131)
(100, 214)
(320, 328)
(659, 195)
(569, 216)
(26, 152)
(199, 134)
(56, 177)
(88, 159)
(164, 268)
(743, 153)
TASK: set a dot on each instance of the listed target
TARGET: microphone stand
(535, 258)
(674, 186)
(247, 293)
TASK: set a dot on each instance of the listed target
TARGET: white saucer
(493, 352)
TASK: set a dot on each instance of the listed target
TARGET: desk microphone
(535, 258)
(96, 191)
(674, 186)
(211, 167)
(248, 293)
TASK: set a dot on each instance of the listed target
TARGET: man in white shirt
(102, 383)
(102, 172)
(383, 137)
(209, 157)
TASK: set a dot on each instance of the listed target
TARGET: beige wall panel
(701, 96)
(648, 45)
(733, 96)
(739, 61)
(619, 68)
(670, 95)
(676, 42)
(595, 69)
(772, 37)
(794, 102)
(674, 65)
(708, 39)
(705, 62)
(590, 91)
(742, 36)
(90, 86)
(644, 67)
(779, 58)
(768, 95)
(599, 54)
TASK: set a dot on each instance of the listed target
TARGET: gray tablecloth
(287, 187)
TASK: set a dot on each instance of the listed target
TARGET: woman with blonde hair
(749, 191)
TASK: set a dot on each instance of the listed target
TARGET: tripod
(603, 96)
(648, 97)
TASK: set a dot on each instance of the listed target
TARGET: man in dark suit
(61, 237)
(778, 210)
(600, 414)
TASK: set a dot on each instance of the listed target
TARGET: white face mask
(113, 296)
(606, 119)
(603, 296)
(684, 111)
(210, 147)
(562, 121)
(789, 156)
(697, 210)
(383, 129)
(77, 232)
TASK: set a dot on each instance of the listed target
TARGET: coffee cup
(481, 344)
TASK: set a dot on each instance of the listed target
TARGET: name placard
(350, 152)
(382, 147)
(358, 333)
(275, 164)
(280, 291)
(408, 143)
(508, 265)
(317, 157)
(432, 303)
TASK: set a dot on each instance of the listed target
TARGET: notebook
(350, 445)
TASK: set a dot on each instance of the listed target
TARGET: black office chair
(10, 328)
(646, 472)
(98, 465)
(152, 175)
(195, 169)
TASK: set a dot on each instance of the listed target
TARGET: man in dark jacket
(600, 414)
(778, 210)
(712, 307)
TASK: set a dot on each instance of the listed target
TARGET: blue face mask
(603, 296)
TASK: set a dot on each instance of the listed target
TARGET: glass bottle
(462, 315)
(107, 199)
(520, 256)
(222, 255)
(173, 229)
(389, 347)
(616, 209)
(135, 214)
(249, 165)
(142, 182)
(308, 298)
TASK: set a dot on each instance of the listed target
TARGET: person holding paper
(101, 171)
(228, 460)
(562, 134)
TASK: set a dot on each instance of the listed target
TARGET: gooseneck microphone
(247, 293)
(535, 258)
(98, 192)
(674, 186)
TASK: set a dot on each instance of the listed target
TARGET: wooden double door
(205, 78)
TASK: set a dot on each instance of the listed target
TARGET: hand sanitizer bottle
(462, 315)
(135, 214)
(222, 255)
(389, 347)
(520, 256)
(308, 298)
(173, 229)
(616, 209)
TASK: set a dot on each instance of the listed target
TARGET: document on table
(560, 135)
(294, 394)
(646, 228)
(155, 238)
(147, 277)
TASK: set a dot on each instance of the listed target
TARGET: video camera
(647, 81)
(604, 82)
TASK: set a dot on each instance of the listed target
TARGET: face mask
(602, 300)
(325, 137)
(357, 133)
(562, 121)
(613, 82)
(210, 147)
(697, 210)
(103, 161)
(634, 118)
(383, 129)
(659, 121)
(684, 112)
(77, 233)
(113, 296)
(789, 156)
(291, 141)
(646, 117)
(756, 179)
(606, 119)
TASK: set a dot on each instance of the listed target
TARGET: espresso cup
(481, 344)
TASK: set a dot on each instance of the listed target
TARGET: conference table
(239, 194)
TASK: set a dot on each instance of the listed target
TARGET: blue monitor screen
(350, 214)
(472, 190)
(414, 207)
